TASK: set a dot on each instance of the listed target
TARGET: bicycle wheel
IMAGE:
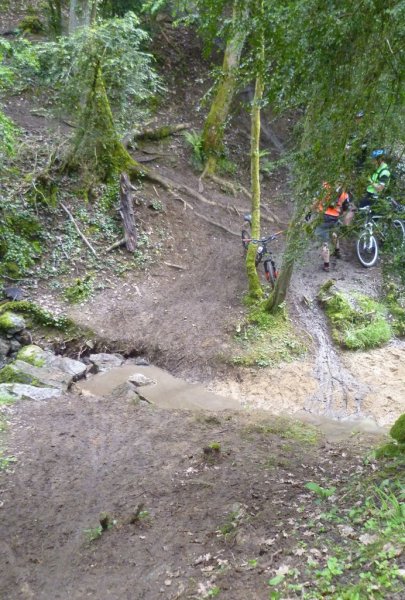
(367, 249)
(270, 272)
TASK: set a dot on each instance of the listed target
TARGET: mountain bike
(263, 253)
(377, 230)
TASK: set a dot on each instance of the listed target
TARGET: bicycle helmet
(377, 153)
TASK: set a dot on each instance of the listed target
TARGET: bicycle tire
(270, 272)
(367, 249)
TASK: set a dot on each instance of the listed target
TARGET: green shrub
(31, 24)
(397, 431)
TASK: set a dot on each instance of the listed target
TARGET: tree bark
(213, 132)
(255, 289)
(127, 212)
(82, 13)
(96, 147)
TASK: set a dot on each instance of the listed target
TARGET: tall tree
(215, 122)
(101, 75)
(257, 57)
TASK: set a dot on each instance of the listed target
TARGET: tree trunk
(55, 17)
(294, 248)
(127, 212)
(97, 147)
(82, 13)
(255, 289)
(213, 132)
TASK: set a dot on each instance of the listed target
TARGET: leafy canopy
(117, 46)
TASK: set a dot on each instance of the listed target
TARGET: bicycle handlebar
(270, 238)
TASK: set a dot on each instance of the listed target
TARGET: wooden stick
(120, 242)
(85, 240)
(174, 266)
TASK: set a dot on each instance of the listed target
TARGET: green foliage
(38, 315)
(31, 24)
(117, 47)
(14, 59)
(93, 533)
(320, 491)
(358, 322)
(266, 339)
(397, 431)
(194, 139)
(80, 290)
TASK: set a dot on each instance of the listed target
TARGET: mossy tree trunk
(294, 248)
(255, 289)
(97, 147)
(82, 13)
(213, 132)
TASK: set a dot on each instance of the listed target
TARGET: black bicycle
(263, 253)
(376, 230)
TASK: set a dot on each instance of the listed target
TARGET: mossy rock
(11, 323)
(31, 24)
(38, 314)
(397, 431)
(9, 374)
(33, 355)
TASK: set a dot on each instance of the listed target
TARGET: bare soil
(206, 516)
(77, 457)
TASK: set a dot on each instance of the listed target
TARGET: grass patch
(287, 430)
(358, 322)
(266, 340)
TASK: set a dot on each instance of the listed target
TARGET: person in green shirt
(379, 180)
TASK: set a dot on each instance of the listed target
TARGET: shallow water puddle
(167, 392)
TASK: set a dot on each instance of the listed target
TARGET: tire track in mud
(339, 394)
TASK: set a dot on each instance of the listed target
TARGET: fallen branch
(174, 266)
(86, 241)
(120, 242)
(154, 134)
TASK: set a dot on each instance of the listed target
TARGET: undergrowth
(266, 339)
(359, 558)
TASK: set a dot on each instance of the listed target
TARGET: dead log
(153, 134)
(158, 133)
(127, 212)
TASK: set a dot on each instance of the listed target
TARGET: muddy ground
(77, 456)
(204, 517)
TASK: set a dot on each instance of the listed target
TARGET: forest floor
(212, 523)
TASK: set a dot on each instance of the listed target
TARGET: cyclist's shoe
(337, 253)
(326, 267)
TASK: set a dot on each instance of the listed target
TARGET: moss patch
(31, 355)
(357, 322)
(266, 340)
(288, 429)
(38, 314)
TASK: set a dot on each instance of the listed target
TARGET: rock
(24, 337)
(13, 293)
(14, 345)
(105, 362)
(4, 347)
(38, 357)
(139, 361)
(125, 392)
(28, 392)
(139, 380)
(25, 373)
(11, 323)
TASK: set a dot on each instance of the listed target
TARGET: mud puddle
(166, 391)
